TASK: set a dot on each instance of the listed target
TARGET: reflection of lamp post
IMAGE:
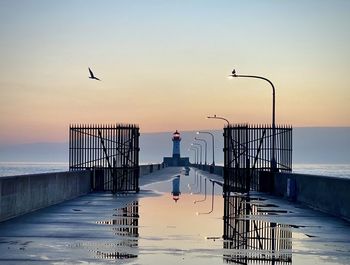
(213, 144)
(212, 200)
(206, 148)
(197, 150)
(199, 177)
(273, 159)
(219, 118)
(195, 154)
(200, 147)
(205, 192)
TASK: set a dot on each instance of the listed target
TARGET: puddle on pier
(189, 222)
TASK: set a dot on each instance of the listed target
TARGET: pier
(142, 227)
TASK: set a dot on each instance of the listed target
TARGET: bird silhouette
(234, 71)
(92, 75)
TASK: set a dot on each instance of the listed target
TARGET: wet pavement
(175, 219)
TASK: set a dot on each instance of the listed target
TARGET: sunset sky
(164, 64)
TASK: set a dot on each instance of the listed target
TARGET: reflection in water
(194, 185)
(212, 199)
(205, 192)
(125, 227)
(251, 240)
(176, 188)
(198, 181)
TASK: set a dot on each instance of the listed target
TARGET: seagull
(234, 72)
(92, 75)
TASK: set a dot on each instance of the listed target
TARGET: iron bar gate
(248, 238)
(111, 152)
(248, 151)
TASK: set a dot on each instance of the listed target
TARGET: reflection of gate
(125, 225)
(111, 152)
(248, 238)
(248, 150)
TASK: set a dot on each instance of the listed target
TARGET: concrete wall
(148, 169)
(26, 193)
(218, 170)
(327, 194)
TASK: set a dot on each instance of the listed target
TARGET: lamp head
(197, 132)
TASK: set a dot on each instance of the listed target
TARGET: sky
(164, 64)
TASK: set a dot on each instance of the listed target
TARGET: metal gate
(248, 237)
(250, 149)
(111, 152)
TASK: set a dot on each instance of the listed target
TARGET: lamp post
(219, 118)
(213, 144)
(273, 159)
(195, 153)
(206, 148)
(200, 152)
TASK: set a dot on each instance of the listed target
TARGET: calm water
(331, 170)
(18, 168)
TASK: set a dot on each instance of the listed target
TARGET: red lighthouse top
(176, 135)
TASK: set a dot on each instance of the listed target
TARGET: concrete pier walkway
(152, 228)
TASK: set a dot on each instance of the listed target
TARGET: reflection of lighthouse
(176, 188)
(176, 145)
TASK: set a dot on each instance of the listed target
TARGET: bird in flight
(92, 75)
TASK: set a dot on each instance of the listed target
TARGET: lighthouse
(176, 160)
(176, 145)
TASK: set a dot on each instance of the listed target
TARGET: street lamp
(273, 159)
(195, 153)
(200, 147)
(219, 118)
(206, 147)
(213, 144)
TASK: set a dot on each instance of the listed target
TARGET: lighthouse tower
(176, 145)
(176, 160)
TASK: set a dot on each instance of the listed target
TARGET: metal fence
(111, 152)
(249, 239)
(248, 149)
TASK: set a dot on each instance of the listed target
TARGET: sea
(23, 168)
